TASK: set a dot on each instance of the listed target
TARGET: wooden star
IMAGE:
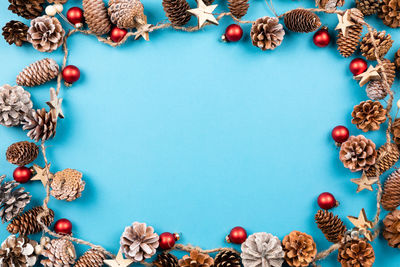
(344, 23)
(40, 173)
(55, 104)
(364, 183)
(119, 261)
(361, 222)
(370, 74)
(204, 13)
(143, 30)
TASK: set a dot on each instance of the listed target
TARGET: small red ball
(322, 38)
(22, 174)
(358, 66)
(117, 34)
(340, 134)
(237, 235)
(75, 15)
(71, 74)
(63, 227)
(233, 33)
(326, 201)
(167, 240)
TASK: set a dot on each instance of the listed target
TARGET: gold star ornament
(204, 13)
(40, 173)
(344, 23)
(364, 183)
(55, 104)
(369, 75)
(361, 222)
(119, 261)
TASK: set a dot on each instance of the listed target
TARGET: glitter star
(119, 261)
(361, 222)
(55, 104)
(344, 23)
(204, 13)
(370, 74)
(364, 183)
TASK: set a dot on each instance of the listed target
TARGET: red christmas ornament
(237, 235)
(71, 74)
(167, 240)
(63, 227)
(322, 37)
(22, 174)
(117, 34)
(340, 134)
(358, 66)
(327, 201)
(75, 16)
(233, 33)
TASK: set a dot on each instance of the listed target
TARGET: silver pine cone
(40, 124)
(15, 103)
(59, 253)
(18, 252)
(45, 33)
(376, 90)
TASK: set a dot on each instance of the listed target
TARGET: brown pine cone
(390, 13)
(397, 59)
(300, 249)
(60, 253)
(18, 252)
(368, 7)
(391, 230)
(67, 185)
(38, 73)
(368, 115)
(207, 2)
(196, 259)
(14, 32)
(126, 14)
(391, 192)
(96, 16)
(395, 130)
(329, 4)
(383, 42)
(267, 33)
(331, 226)
(40, 124)
(57, 1)
(357, 253)
(301, 20)
(166, 260)
(176, 11)
(227, 258)
(91, 258)
(46, 33)
(358, 153)
(27, 224)
(28, 9)
(22, 153)
(238, 8)
(347, 45)
(387, 156)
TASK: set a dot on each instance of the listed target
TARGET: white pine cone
(18, 252)
(376, 90)
(139, 242)
(46, 34)
(126, 14)
(262, 250)
(12, 200)
(67, 185)
(267, 33)
(15, 103)
(59, 253)
(41, 125)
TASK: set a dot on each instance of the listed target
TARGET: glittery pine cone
(358, 153)
(387, 156)
(390, 13)
(330, 225)
(22, 153)
(46, 33)
(40, 124)
(27, 224)
(38, 73)
(368, 115)
(18, 252)
(126, 14)
(28, 9)
(91, 258)
(166, 260)
(391, 192)
(395, 130)
(391, 230)
(238, 8)
(14, 32)
(196, 259)
(227, 258)
(15, 104)
(347, 45)
(267, 33)
(300, 249)
(301, 20)
(262, 250)
(356, 252)
(59, 253)
(176, 11)
(67, 185)
(96, 16)
(397, 60)
(383, 42)
(368, 7)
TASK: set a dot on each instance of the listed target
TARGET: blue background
(193, 135)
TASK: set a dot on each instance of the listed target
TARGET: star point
(344, 23)
(143, 30)
(364, 183)
(55, 104)
(204, 13)
(118, 261)
(361, 222)
(370, 74)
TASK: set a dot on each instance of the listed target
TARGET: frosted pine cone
(91, 258)
(391, 230)
(46, 34)
(267, 33)
(262, 250)
(60, 253)
(27, 224)
(96, 16)
(300, 249)
(176, 11)
(166, 260)
(358, 153)
(126, 14)
(38, 73)
(196, 259)
(144, 239)
(28, 9)
(368, 115)
(40, 124)
(14, 32)
(391, 191)
(347, 45)
(382, 40)
(330, 225)
(18, 252)
(238, 8)
(22, 153)
(356, 252)
(376, 90)
(368, 7)
(227, 258)
(12, 199)
(329, 4)
(390, 13)
(67, 185)
(15, 103)
(387, 156)
(301, 20)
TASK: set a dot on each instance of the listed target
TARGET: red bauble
(22, 174)
(322, 38)
(75, 15)
(327, 201)
(237, 235)
(167, 240)
(340, 134)
(233, 33)
(71, 74)
(117, 34)
(358, 66)
(63, 227)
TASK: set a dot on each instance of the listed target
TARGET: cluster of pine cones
(387, 10)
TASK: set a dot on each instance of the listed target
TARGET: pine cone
(14, 32)
(358, 153)
(15, 104)
(238, 8)
(262, 250)
(391, 230)
(368, 115)
(46, 34)
(18, 252)
(196, 259)
(41, 125)
(395, 130)
(57, 1)
(126, 14)
(390, 13)
(368, 7)
(387, 156)
(397, 59)
(67, 185)
(28, 9)
(347, 45)
(376, 89)
(176, 11)
(60, 253)
(227, 258)
(382, 41)
(143, 237)
(301, 20)
(391, 192)
(300, 249)
(27, 224)
(91, 258)
(267, 33)
(331, 226)
(12, 200)
(22, 153)
(329, 4)
(166, 260)
(96, 17)
(207, 2)
(357, 253)
(38, 73)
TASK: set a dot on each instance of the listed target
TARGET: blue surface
(193, 135)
